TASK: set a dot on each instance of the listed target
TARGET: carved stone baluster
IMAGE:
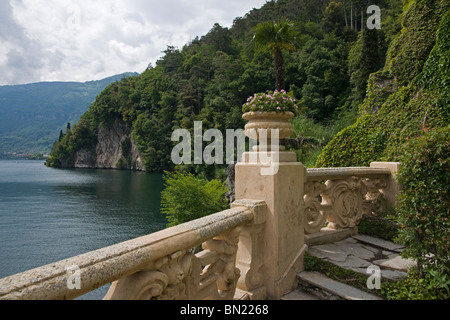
(177, 269)
(182, 276)
(315, 213)
(226, 246)
(163, 280)
(374, 196)
(249, 256)
(143, 285)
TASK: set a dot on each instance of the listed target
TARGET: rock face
(115, 150)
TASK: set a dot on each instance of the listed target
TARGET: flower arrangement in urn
(278, 101)
(270, 111)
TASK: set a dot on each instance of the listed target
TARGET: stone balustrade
(157, 266)
(339, 197)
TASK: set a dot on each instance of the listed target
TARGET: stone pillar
(392, 189)
(282, 189)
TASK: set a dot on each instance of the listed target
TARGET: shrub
(357, 145)
(432, 286)
(424, 204)
(378, 227)
(187, 198)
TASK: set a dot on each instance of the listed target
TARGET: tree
(186, 197)
(277, 37)
(366, 56)
(334, 18)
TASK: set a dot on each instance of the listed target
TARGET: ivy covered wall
(405, 99)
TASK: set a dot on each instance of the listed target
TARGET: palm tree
(277, 37)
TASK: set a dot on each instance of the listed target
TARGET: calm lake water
(47, 215)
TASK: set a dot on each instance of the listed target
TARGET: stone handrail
(341, 196)
(318, 174)
(157, 266)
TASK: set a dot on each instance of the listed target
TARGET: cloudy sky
(82, 40)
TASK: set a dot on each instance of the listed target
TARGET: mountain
(31, 115)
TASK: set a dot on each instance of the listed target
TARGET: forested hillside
(31, 115)
(210, 78)
(408, 98)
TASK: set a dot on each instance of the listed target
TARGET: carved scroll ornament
(341, 202)
(211, 274)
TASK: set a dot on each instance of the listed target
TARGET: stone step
(299, 294)
(333, 288)
(377, 242)
(359, 252)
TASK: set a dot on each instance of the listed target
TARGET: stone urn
(261, 124)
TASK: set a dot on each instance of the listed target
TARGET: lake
(48, 214)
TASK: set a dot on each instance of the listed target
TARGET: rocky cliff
(115, 149)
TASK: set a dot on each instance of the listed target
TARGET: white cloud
(62, 40)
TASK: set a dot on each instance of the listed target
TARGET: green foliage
(424, 205)
(366, 56)
(313, 136)
(32, 115)
(432, 286)
(357, 145)
(125, 162)
(187, 197)
(349, 277)
(384, 228)
(403, 97)
(410, 50)
(321, 80)
(436, 72)
(210, 78)
(333, 20)
(277, 37)
(82, 136)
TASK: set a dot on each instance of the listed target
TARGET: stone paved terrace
(356, 252)
(359, 252)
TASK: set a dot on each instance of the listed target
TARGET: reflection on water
(47, 215)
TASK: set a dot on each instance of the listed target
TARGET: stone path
(332, 289)
(357, 253)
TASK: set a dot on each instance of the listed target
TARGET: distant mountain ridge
(31, 115)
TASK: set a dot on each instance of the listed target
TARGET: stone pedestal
(280, 183)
